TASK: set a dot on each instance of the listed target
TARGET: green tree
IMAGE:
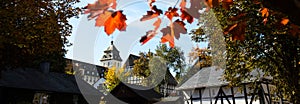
(33, 31)
(256, 38)
(203, 58)
(172, 57)
(141, 65)
(113, 77)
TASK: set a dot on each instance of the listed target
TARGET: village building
(111, 57)
(167, 86)
(207, 87)
(40, 86)
(92, 74)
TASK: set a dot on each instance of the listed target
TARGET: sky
(89, 41)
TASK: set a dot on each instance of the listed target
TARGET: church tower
(111, 57)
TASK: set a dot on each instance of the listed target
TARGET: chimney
(45, 67)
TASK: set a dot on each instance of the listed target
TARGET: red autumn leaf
(211, 3)
(237, 30)
(151, 14)
(172, 12)
(173, 31)
(256, 1)
(179, 28)
(101, 19)
(226, 4)
(168, 38)
(264, 12)
(183, 4)
(156, 24)
(194, 8)
(111, 3)
(186, 16)
(150, 34)
(150, 2)
(99, 7)
(284, 21)
(95, 9)
(116, 20)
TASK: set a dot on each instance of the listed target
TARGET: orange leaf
(186, 16)
(95, 9)
(179, 28)
(99, 7)
(265, 20)
(237, 30)
(211, 4)
(264, 12)
(150, 2)
(173, 31)
(182, 4)
(194, 8)
(156, 24)
(229, 28)
(168, 38)
(102, 18)
(226, 4)
(111, 3)
(150, 34)
(151, 14)
(116, 20)
(284, 21)
(172, 12)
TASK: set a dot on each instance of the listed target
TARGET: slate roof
(130, 60)
(171, 79)
(206, 77)
(143, 92)
(111, 53)
(33, 79)
(211, 76)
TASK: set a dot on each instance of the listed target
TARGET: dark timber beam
(245, 94)
(269, 93)
(200, 95)
(209, 95)
(232, 92)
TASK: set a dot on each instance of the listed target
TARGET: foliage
(256, 37)
(34, 31)
(173, 57)
(203, 58)
(141, 65)
(113, 77)
(107, 15)
(202, 54)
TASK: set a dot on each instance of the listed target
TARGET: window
(92, 73)
(88, 72)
